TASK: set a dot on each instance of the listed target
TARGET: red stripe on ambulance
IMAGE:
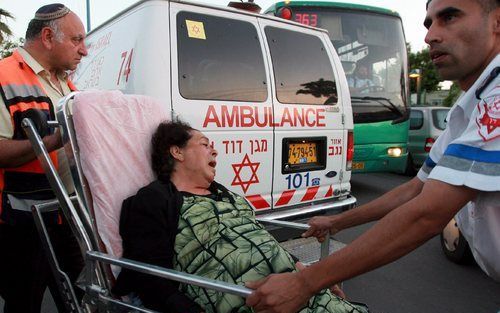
(310, 193)
(329, 193)
(258, 202)
(285, 197)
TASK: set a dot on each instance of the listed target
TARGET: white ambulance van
(270, 94)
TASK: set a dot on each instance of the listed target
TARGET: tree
(8, 46)
(4, 28)
(422, 60)
(455, 91)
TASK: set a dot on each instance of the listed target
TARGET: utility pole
(88, 16)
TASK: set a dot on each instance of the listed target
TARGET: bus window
(372, 46)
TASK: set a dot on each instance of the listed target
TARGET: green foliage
(422, 60)
(8, 46)
(452, 96)
(4, 28)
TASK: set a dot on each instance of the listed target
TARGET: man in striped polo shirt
(462, 174)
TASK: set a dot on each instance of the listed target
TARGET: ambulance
(270, 94)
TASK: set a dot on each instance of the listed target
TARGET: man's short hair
(487, 5)
(46, 16)
(168, 134)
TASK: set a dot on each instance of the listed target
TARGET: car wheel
(454, 245)
(410, 166)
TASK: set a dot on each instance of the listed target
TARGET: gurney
(106, 138)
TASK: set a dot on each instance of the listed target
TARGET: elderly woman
(187, 221)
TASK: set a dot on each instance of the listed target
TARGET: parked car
(426, 124)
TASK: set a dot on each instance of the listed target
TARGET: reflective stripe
(310, 193)
(285, 197)
(23, 106)
(465, 165)
(12, 91)
(21, 90)
(258, 202)
(473, 153)
(329, 193)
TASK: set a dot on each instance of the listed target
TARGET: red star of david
(490, 123)
(195, 29)
(237, 170)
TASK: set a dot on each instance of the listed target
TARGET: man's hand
(321, 227)
(279, 293)
(335, 289)
(54, 141)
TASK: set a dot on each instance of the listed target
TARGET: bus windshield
(372, 49)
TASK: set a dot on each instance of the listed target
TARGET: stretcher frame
(96, 279)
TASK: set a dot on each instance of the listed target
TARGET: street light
(416, 73)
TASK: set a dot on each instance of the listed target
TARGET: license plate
(302, 153)
(358, 165)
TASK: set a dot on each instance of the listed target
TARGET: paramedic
(460, 177)
(34, 77)
(187, 221)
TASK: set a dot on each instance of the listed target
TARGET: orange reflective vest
(21, 90)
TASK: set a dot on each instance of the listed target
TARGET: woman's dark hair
(168, 134)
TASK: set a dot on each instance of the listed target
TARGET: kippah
(51, 12)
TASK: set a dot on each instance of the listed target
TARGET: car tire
(410, 166)
(454, 245)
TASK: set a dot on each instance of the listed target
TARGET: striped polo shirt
(467, 153)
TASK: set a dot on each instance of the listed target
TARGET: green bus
(371, 44)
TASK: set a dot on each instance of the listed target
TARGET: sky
(412, 13)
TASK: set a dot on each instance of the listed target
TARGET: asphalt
(422, 281)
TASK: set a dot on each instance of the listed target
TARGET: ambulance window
(219, 59)
(302, 69)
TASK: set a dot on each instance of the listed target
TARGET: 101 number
(296, 180)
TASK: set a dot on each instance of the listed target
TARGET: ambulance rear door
(220, 85)
(309, 154)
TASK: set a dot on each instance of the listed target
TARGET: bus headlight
(395, 152)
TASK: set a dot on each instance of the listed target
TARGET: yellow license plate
(358, 165)
(302, 153)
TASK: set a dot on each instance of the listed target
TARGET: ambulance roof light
(248, 6)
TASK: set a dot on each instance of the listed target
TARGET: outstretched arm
(321, 226)
(399, 232)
